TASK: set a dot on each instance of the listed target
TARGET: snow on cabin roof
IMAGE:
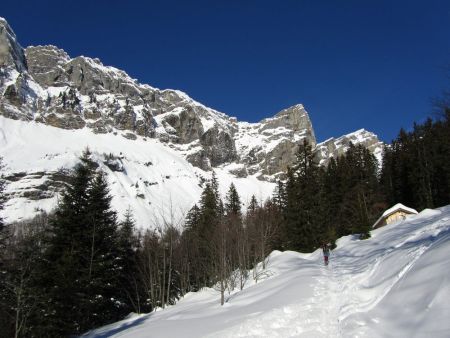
(393, 209)
(396, 207)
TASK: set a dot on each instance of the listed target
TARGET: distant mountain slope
(81, 96)
(395, 284)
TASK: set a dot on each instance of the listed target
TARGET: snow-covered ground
(396, 284)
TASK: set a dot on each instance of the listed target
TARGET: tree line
(80, 267)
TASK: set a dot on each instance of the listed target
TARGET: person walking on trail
(326, 253)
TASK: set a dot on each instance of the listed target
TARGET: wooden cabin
(394, 214)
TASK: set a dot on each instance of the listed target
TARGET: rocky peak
(11, 53)
(294, 119)
(46, 64)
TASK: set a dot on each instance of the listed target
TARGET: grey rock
(219, 146)
(295, 119)
(63, 119)
(130, 136)
(199, 159)
(240, 172)
(45, 65)
(187, 124)
(335, 147)
(39, 185)
(280, 157)
(11, 53)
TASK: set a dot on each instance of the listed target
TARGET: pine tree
(62, 270)
(80, 269)
(361, 199)
(303, 214)
(99, 250)
(211, 210)
(280, 195)
(253, 205)
(233, 202)
(191, 240)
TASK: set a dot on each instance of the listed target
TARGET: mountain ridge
(44, 84)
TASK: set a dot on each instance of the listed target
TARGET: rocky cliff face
(335, 147)
(45, 85)
(11, 53)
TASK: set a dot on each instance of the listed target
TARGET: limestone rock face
(187, 124)
(269, 147)
(44, 84)
(219, 146)
(11, 53)
(45, 65)
(335, 147)
(294, 119)
(199, 159)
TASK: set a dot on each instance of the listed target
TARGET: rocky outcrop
(11, 53)
(187, 124)
(269, 147)
(44, 84)
(219, 146)
(46, 65)
(36, 185)
(335, 147)
(294, 119)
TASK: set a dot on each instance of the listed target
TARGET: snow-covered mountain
(61, 105)
(395, 284)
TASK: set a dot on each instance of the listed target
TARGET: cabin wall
(396, 216)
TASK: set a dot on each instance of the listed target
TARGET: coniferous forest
(81, 267)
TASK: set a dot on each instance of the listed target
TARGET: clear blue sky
(372, 64)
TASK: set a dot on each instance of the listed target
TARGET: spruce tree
(233, 202)
(210, 217)
(253, 205)
(63, 269)
(80, 269)
(132, 296)
(99, 252)
(303, 214)
(361, 199)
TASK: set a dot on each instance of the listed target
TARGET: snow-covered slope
(144, 174)
(396, 284)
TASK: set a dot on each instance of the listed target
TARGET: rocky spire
(11, 53)
(294, 118)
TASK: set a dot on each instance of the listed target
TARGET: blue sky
(353, 64)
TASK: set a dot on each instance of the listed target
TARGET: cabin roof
(393, 209)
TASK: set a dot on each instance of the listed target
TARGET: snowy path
(395, 284)
(316, 316)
